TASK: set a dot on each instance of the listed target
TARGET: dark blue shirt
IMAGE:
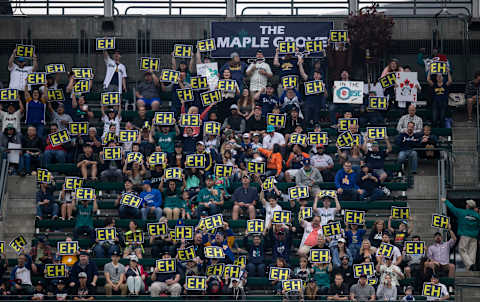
(245, 195)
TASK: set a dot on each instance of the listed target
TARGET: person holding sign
(314, 102)
(440, 90)
(165, 282)
(308, 176)
(19, 70)
(339, 57)
(112, 117)
(35, 109)
(444, 295)
(346, 183)
(237, 69)
(468, 229)
(12, 116)
(116, 74)
(228, 97)
(22, 275)
(147, 91)
(57, 153)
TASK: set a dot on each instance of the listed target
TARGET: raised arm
(449, 80)
(302, 70)
(174, 62)
(276, 62)
(35, 62)
(429, 80)
(12, 58)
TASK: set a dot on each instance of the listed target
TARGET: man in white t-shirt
(396, 254)
(444, 295)
(269, 201)
(11, 116)
(326, 213)
(19, 70)
(272, 138)
(322, 162)
(259, 72)
(116, 74)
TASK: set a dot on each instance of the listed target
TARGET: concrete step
(22, 211)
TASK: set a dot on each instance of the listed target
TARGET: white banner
(348, 92)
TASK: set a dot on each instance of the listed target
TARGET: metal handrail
(3, 178)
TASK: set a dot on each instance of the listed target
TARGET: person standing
(440, 91)
(116, 73)
(19, 70)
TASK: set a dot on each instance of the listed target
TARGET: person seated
(151, 201)
(136, 276)
(322, 162)
(165, 282)
(115, 276)
(411, 117)
(369, 184)
(244, 198)
(46, 206)
(407, 141)
(375, 158)
(87, 163)
(346, 183)
(428, 141)
(147, 91)
(309, 177)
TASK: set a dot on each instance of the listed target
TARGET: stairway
(465, 166)
(19, 211)
(467, 286)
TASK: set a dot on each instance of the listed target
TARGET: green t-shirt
(192, 182)
(84, 215)
(205, 196)
(321, 276)
(166, 141)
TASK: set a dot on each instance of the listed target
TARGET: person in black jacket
(281, 239)
(84, 265)
(31, 140)
(45, 203)
(368, 182)
(256, 257)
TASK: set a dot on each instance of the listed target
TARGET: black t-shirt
(376, 160)
(267, 102)
(61, 293)
(341, 290)
(256, 125)
(156, 178)
(347, 274)
(85, 292)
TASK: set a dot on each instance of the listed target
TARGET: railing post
(231, 8)
(352, 6)
(108, 8)
(475, 9)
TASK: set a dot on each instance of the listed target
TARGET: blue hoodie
(346, 181)
(152, 198)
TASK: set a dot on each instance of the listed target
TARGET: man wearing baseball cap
(115, 276)
(19, 70)
(438, 254)
(468, 228)
(362, 291)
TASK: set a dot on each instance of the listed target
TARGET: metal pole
(475, 9)
(352, 6)
(108, 8)
(231, 11)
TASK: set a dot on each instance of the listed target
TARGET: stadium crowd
(199, 193)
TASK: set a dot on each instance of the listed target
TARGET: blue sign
(246, 37)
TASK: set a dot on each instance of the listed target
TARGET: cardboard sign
(440, 221)
(212, 128)
(199, 83)
(109, 137)
(345, 140)
(44, 176)
(195, 161)
(186, 254)
(66, 248)
(388, 81)
(255, 226)
(112, 153)
(182, 51)
(82, 86)
(363, 269)
(24, 51)
(55, 271)
(414, 247)
(319, 256)
(297, 138)
(211, 97)
(313, 87)
(277, 120)
(327, 193)
(173, 173)
(284, 217)
(214, 252)
(268, 183)
(378, 102)
(289, 82)
(376, 133)
(190, 120)
(223, 170)
(185, 94)
(147, 63)
(37, 78)
(232, 271)
(314, 46)
(127, 136)
(169, 76)
(134, 237)
(195, 283)
(72, 183)
(344, 124)
(298, 193)
(59, 138)
(18, 244)
(166, 266)
(131, 200)
(55, 95)
(206, 45)
(78, 128)
(54, 68)
(157, 158)
(213, 222)
(432, 290)
(105, 43)
(255, 167)
(105, 234)
(400, 212)
(215, 270)
(279, 273)
(305, 213)
(85, 194)
(110, 98)
(164, 118)
(337, 36)
(2, 247)
(240, 260)
(438, 67)
(84, 73)
(406, 91)
(348, 92)
(315, 138)
(184, 232)
(286, 47)
(134, 157)
(372, 281)
(292, 285)
(332, 229)
(385, 250)
(227, 85)
(157, 229)
(354, 217)
(9, 94)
